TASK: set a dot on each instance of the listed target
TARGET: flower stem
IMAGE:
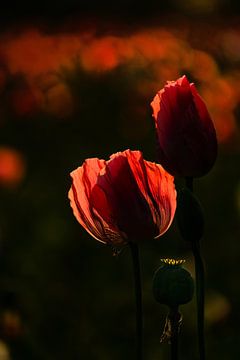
(138, 299)
(200, 291)
(174, 317)
(199, 271)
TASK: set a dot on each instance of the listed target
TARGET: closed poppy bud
(189, 216)
(187, 143)
(123, 199)
(172, 285)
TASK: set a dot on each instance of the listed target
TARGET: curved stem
(200, 291)
(199, 271)
(138, 299)
(174, 317)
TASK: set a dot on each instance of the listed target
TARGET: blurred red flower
(187, 143)
(123, 199)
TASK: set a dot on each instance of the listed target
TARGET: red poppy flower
(187, 143)
(123, 199)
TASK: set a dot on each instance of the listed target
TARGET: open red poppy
(123, 199)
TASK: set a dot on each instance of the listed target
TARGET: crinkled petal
(83, 179)
(102, 208)
(124, 199)
(157, 186)
(128, 205)
(161, 186)
(155, 104)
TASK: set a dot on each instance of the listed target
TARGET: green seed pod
(189, 216)
(172, 285)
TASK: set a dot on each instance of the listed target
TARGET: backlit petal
(187, 144)
(82, 181)
(123, 199)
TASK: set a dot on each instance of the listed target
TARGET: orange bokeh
(34, 53)
(12, 167)
(203, 66)
(101, 54)
(161, 53)
(221, 99)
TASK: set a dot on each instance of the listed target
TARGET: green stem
(174, 317)
(200, 291)
(138, 299)
(199, 271)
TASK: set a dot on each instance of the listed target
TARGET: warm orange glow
(161, 53)
(231, 45)
(12, 167)
(34, 53)
(221, 99)
(101, 54)
(58, 101)
(23, 101)
(225, 125)
(203, 66)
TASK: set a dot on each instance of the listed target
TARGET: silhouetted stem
(138, 299)
(199, 273)
(200, 291)
(174, 317)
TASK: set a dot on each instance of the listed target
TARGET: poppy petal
(83, 180)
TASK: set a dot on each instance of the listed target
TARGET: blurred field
(71, 93)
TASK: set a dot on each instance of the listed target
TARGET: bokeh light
(12, 167)
(159, 52)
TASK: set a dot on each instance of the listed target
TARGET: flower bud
(189, 216)
(187, 142)
(172, 285)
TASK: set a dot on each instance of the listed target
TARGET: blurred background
(76, 81)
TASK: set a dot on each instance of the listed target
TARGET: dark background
(62, 294)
